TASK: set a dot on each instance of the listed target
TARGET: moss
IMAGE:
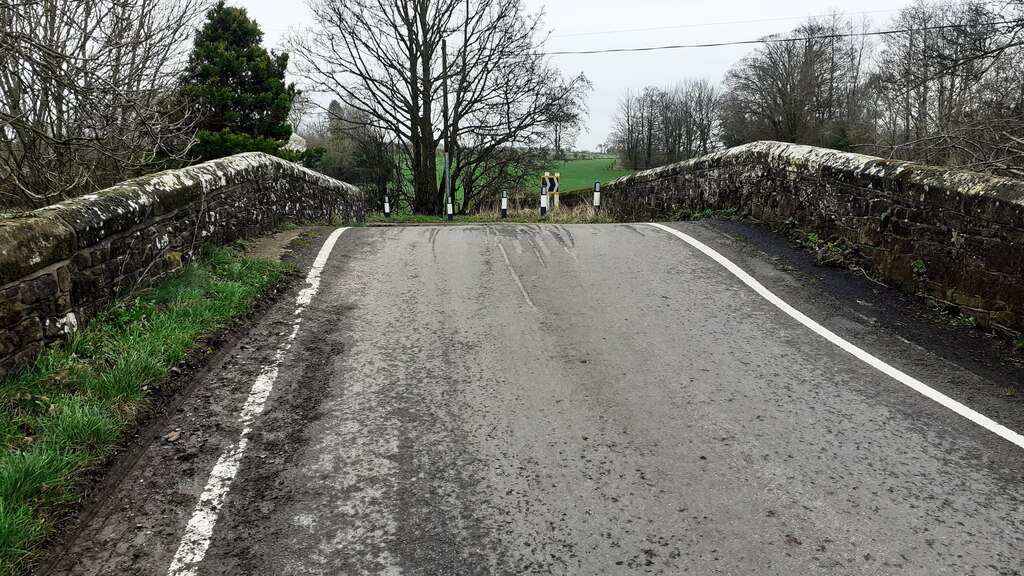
(988, 197)
(96, 216)
(28, 244)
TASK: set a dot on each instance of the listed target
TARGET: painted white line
(920, 387)
(515, 276)
(196, 540)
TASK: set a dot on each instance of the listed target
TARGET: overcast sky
(587, 24)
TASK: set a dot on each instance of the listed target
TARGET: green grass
(63, 416)
(938, 305)
(734, 214)
(407, 218)
(575, 175)
(580, 174)
(965, 321)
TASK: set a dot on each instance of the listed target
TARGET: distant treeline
(939, 83)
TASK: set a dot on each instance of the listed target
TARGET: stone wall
(62, 264)
(966, 228)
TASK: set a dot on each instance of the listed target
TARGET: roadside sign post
(597, 196)
(504, 204)
(548, 186)
(387, 207)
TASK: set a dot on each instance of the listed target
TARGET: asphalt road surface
(591, 399)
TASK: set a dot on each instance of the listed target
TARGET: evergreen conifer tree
(237, 86)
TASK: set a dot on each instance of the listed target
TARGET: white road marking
(515, 276)
(196, 540)
(920, 387)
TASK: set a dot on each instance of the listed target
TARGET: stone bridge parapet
(953, 235)
(62, 264)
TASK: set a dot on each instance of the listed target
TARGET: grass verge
(560, 215)
(62, 417)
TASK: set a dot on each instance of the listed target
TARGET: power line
(768, 40)
(709, 24)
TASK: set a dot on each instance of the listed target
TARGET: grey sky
(574, 24)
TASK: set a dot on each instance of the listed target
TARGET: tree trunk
(426, 199)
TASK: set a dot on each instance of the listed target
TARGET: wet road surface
(593, 399)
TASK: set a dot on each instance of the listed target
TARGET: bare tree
(624, 139)
(300, 117)
(704, 104)
(768, 95)
(664, 126)
(89, 93)
(566, 122)
(383, 58)
(356, 151)
(945, 85)
(949, 88)
(804, 87)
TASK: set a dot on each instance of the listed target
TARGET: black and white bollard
(597, 196)
(451, 210)
(504, 204)
(543, 203)
(387, 207)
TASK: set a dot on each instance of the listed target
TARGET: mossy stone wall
(966, 227)
(62, 264)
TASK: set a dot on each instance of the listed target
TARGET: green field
(577, 174)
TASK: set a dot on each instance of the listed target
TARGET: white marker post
(387, 207)
(544, 194)
(597, 196)
(504, 204)
(451, 210)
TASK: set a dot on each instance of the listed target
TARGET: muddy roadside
(296, 246)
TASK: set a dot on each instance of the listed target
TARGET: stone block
(95, 217)
(99, 254)
(26, 355)
(869, 235)
(39, 289)
(20, 335)
(900, 228)
(1008, 320)
(932, 234)
(1003, 258)
(84, 287)
(32, 243)
(12, 311)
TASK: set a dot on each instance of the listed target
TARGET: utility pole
(463, 78)
(448, 200)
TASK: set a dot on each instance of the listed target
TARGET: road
(591, 399)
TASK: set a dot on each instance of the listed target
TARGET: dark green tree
(238, 87)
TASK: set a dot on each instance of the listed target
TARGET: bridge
(634, 398)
